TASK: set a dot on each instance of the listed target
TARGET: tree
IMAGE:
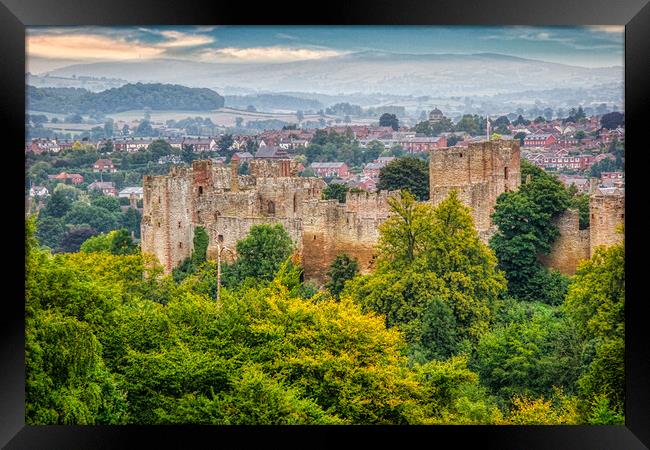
(111, 204)
(159, 148)
(525, 229)
(145, 129)
(122, 244)
(58, 205)
(389, 120)
(521, 136)
(580, 135)
(521, 121)
(225, 143)
(188, 154)
(300, 115)
(427, 255)
(335, 191)
(72, 240)
(97, 217)
(239, 121)
(50, 231)
(99, 243)
(408, 173)
(262, 251)
(596, 302)
(108, 128)
(531, 355)
(343, 268)
(612, 120)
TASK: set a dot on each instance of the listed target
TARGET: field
(222, 117)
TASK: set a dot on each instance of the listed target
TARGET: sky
(49, 48)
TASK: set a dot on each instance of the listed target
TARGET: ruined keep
(228, 205)
(479, 173)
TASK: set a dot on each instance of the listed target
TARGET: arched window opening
(200, 190)
(270, 207)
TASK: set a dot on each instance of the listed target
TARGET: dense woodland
(446, 329)
(155, 96)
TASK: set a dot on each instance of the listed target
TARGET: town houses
(330, 169)
(568, 149)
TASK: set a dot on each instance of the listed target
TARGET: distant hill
(157, 96)
(366, 72)
(270, 102)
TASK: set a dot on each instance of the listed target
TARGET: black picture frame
(15, 15)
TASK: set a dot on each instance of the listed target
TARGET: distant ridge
(156, 96)
(443, 74)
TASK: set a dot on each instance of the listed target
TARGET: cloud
(576, 42)
(286, 36)
(267, 54)
(110, 44)
(177, 39)
(618, 29)
(88, 46)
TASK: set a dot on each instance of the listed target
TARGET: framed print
(394, 221)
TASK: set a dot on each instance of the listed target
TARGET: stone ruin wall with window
(228, 204)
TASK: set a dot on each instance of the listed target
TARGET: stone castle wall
(228, 205)
(606, 214)
(479, 173)
(572, 245)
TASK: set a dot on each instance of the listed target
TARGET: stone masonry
(479, 173)
(228, 205)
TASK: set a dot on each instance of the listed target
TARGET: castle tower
(607, 212)
(479, 173)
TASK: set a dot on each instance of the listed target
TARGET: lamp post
(220, 248)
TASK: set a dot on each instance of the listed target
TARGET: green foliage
(389, 120)
(58, 205)
(428, 255)
(97, 217)
(343, 268)
(100, 243)
(50, 231)
(596, 302)
(581, 203)
(335, 191)
(612, 120)
(122, 244)
(411, 174)
(74, 237)
(200, 242)
(261, 252)
(525, 230)
(111, 204)
(128, 97)
(530, 355)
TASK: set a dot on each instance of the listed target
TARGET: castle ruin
(479, 173)
(228, 205)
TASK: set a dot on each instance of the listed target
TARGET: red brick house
(67, 178)
(539, 140)
(422, 144)
(107, 187)
(104, 165)
(330, 169)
